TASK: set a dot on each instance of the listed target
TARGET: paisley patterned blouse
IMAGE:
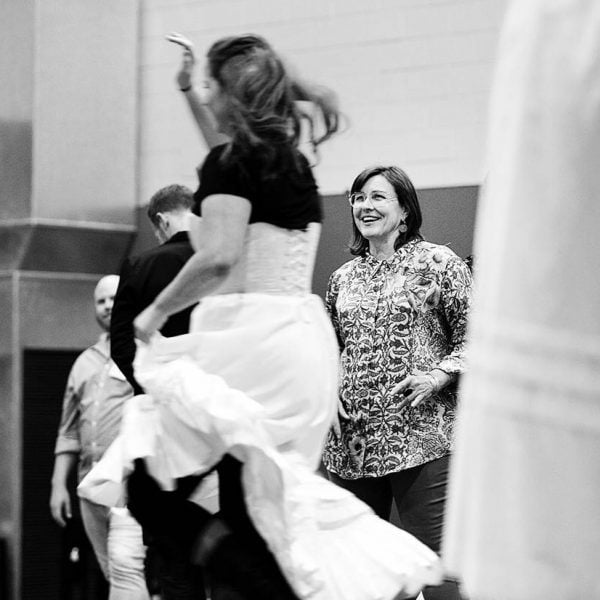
(396, 317)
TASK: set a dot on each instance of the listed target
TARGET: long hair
(262, 112)
(407, 198)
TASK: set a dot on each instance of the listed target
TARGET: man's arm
(60, 499)
(122, 340)
(68, 447)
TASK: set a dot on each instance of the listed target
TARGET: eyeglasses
(376, 198)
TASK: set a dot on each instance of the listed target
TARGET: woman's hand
(205, 119)
(184, 76)
(339, 413)
(416, 389)
(148, 322)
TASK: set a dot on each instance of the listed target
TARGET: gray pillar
(68, 187)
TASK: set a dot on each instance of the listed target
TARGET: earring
(403, 228)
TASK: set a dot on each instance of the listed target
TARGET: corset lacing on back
(280, 261)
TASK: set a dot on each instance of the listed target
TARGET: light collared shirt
(92, 406)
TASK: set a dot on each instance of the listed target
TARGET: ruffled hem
(329, 544)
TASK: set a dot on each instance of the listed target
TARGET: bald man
(90, 421)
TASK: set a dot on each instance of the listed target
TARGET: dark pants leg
(170, 524)
(239, 566)
(376, 492)
(257, 573)
(420, 496)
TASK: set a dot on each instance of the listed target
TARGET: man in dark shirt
(142, 278)
(145, 276)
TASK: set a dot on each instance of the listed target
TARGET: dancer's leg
(95, 518)
(238, 562)
(126, 554)
(170, 524)
(241, 559)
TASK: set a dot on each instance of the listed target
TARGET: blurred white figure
(524, 509)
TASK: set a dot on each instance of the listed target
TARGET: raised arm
(219, 242)
(202, 115)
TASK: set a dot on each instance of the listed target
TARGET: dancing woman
(252, 388)
(260, 208)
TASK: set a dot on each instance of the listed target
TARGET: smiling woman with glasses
(399, 310)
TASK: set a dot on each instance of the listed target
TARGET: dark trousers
(420, 496)
(240, 567)
(243, 561)
(169, 524)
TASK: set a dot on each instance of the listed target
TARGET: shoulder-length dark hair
(407, 198)
(264, 117)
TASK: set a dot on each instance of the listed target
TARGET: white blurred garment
(116, 538)
(523, 517)
(256, 378)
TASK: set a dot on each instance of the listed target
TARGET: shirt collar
(180, 236)
(103, 344)
(395, 258)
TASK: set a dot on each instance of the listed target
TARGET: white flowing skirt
(523, 516)
(257, 378)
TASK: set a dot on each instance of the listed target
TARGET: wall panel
(413, 76)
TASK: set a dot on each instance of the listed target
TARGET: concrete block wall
(413, 77)
(68, 177)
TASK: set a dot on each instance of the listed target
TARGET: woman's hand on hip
(415, 389)
(148, 322)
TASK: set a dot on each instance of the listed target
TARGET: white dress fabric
(257, 378)
(523, 517)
